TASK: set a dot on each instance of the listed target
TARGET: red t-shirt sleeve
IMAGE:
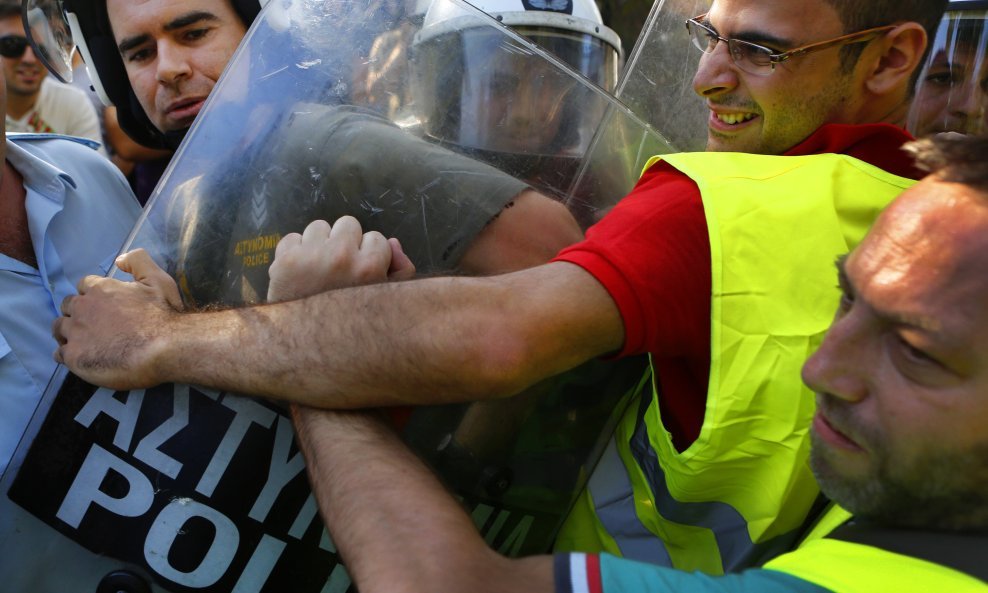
(652, 255)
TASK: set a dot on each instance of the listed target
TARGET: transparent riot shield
(952, 90)
(657, 83)
(656, 87)
(180, 488)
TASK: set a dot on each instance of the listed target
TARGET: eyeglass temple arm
(859, 37)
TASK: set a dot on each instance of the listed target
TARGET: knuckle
(317, 224)
(290, 240)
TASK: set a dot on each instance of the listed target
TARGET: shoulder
(45, 145)
(663, 196)
(71, 158)
(62, 91)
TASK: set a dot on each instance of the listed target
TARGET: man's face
(24, 74)
(174, 51)
(772, 113)
(902, 376)
(953, 95)
(520, 104)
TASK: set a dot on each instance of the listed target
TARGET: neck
(19, 105)
(887, 110)
(15, 235)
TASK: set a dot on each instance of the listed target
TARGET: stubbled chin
(717, 143)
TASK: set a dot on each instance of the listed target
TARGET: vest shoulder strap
(962, 552)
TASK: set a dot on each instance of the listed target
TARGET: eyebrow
(927, 324)
(179, 22)
(756, 37)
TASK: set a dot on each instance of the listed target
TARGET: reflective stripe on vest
(845, 567)
(742, 491)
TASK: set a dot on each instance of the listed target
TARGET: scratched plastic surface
(183, 489)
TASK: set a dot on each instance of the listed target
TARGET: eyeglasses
(760, 60)
(13, 46)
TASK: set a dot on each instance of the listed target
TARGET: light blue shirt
(80, 210)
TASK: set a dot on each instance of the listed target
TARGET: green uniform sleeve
(324, 162)
(434, 200)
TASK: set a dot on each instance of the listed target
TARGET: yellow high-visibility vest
(857, 567)
(741, 492)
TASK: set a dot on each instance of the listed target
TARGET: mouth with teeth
(733, 119)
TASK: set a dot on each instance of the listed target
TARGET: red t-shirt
(652, 254)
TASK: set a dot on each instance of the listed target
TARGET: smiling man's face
(174, 52)
(902, 376)
(772, 113)
(23, 74)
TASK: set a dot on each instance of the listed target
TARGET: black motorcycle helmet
(85, 24)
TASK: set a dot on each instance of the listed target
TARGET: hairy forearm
(428, 341)
(396, 527)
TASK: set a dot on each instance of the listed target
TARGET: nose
(841, 364)
(968, 103)
(173, 64)
(716, 73)
(29, 56)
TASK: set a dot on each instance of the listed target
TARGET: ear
(901, 50)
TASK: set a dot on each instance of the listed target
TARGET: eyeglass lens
(751, 58)
(13, 46)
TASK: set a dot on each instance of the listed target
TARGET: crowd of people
(773, 445)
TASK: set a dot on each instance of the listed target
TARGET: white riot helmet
(952, 91)
(572, 30)
(490, 101)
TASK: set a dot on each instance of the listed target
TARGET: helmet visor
(476, 95)
(952, 91)
(591, 56)
(50, 36)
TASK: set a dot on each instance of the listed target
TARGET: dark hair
(858, 15)
(953, 157)
(9, 9)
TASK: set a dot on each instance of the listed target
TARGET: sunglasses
(13, 46)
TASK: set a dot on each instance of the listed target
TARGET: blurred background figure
(490, 105)
(952, 93)
(34, 102)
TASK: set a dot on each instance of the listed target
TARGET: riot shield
(179, 488)
(657, 83)
(656, 88)
(952, 90)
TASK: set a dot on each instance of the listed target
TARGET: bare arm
(386, 547)
(396, 527)
(433, 340)
(528, 232)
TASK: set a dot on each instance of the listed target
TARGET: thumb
(401, 267)
(138, 263)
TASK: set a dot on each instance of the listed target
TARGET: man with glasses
(718, 264)
(36, 103)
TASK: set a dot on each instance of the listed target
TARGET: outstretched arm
(423, 341)
(370, 522)
(396, 527)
